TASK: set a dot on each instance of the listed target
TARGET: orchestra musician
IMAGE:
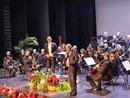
(98, 55)
(21, 61)
(114, 41)
(119, 51)
(100, 70)
(27, 61)
(42, 59)
(81, 62)
(119, 37)
(8, 64)
(34, 55)
(50, 50)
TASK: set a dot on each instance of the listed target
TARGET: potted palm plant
(26, 43)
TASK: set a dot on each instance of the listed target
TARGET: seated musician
(35, 55)
(114, 63)
(81, 62)
(42, 59)
(106, 48)
(114, 41)
(98, 55)
(119, 37)
(8, 64)
(119, 52)
(89, 52)
(20, 61)
(97, 73)
(27, 61)
(59, 57)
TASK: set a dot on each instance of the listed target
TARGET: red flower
(42, 96)
(22, 95)
(52, 80)
(14, 93)
(1, 89)
(5, 91)
(32, 95)
(31, 75)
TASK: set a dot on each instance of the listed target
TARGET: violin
(34, 63)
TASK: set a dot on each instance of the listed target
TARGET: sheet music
(126, 64)
(89, 61)
(63, 53)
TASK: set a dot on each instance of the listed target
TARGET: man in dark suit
(71, 63)
(50, 49)
(101, 70)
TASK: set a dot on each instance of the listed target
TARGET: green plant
(26, 43)
(63, 86)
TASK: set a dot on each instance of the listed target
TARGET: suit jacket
(53, 46)
(73, 60)
(103, 71)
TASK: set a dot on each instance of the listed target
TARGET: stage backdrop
(74, 20)
(113, 16)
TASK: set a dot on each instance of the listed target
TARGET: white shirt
(50, 48)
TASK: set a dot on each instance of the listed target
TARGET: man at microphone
(71, 63)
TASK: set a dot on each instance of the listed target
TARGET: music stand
(126, 65)
(89, 61)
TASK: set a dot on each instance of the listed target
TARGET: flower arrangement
(8, 92)
(47, 81)
(35, 77)
(52, 80)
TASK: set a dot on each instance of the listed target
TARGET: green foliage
(39, 76)
(63, 86)
(43, 85)
(26, 43)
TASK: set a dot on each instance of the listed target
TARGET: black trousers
(92, 83)
(51, 63)
(72, 80)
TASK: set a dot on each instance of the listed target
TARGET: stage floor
(83, 88)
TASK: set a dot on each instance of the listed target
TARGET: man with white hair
(50, 49)
(113, 41)
(71, 62)
(128, 42)
(106, 48)
(8, 64)
(119, 37)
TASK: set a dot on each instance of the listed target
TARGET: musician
(71, 63)
(127, 54)
(119, 37)
(105, 38)
(106, 48)
(42, 58)
(63, 47)
(127, 42)
(8, 64)
(114, 64)
(50, 49)
(60, 60)
(89, 52)
(21, 61)
(114, 41)
(27, 61)
(101, 70)
(35, 55)
(119, 51)
(81, 62)
(98, 55)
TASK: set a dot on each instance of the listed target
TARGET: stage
(83, 88)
